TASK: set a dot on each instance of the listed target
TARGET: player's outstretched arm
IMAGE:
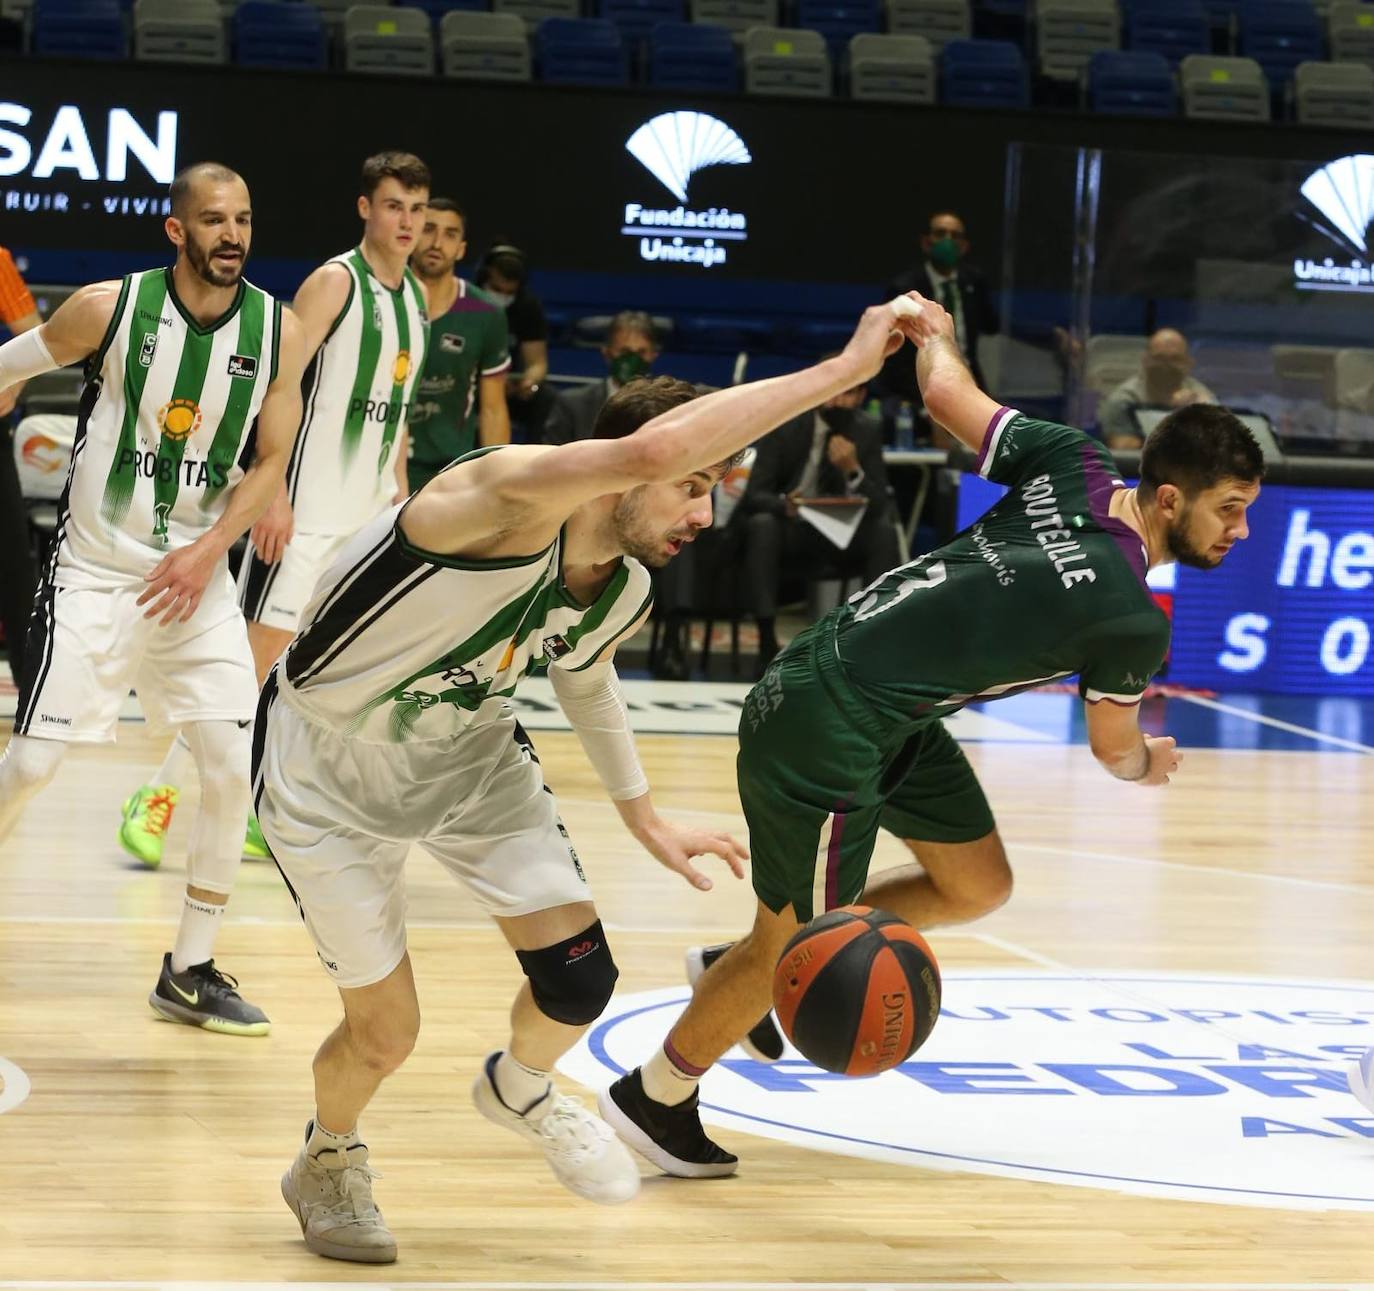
(177, 584)
(535, 490)
(595, 705)
(74, 332)
(1118, 744)
(951, 395)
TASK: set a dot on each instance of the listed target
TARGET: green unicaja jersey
(1045, 585)
(465, 344)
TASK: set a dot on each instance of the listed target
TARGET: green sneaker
(254, 844)
(147, 813)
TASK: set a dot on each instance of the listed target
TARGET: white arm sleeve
(595, 705)
(24, 357)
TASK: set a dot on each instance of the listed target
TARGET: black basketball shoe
(764, 1041)
(669, 1137)
(202, 996)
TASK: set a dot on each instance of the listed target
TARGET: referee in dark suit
(18, 313)
(946, 276)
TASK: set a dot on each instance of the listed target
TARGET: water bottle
(906, 428)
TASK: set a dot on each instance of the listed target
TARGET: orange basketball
(857, 990)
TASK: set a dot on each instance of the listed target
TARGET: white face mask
(503, 298)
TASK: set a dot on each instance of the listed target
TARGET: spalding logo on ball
(857, 990)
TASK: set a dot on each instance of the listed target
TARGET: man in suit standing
(833, 452)
(945, 276)
(630, 351)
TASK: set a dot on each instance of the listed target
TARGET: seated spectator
(504, 275)
(835, 451)
(630, 351)
(946, 276)
(1162, 382)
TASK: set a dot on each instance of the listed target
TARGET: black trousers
(775, 543)
(17, 579)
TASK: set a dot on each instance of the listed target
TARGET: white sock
(322, 1139)
(665, 1081)
(196, 936)
(520, 1086)
(176, 766)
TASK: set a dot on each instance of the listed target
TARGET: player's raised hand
(674, 847)
(274, 529)
(1164, 759)
(874, 339)
(179, 581)
(922, 320)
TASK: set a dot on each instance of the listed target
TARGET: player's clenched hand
(674, 847)
(177, 584)
(874, 339)
(1164, 759)
(274, 529)
(922, 320)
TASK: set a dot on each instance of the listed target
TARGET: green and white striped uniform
(358, 388)
(406, 646)
(163, 431)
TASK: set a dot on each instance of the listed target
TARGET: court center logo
(673, 147)
(1340, 199)
(14, 1086)
(1219, 1089)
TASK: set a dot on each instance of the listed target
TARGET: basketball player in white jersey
(190, 407)
(387, 723)
(365, 327)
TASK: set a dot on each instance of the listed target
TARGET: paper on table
(837, 520)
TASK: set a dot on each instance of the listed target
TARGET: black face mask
(839, 421)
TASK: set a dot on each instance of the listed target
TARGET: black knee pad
(572, 981)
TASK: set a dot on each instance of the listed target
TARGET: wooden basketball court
(147, 1153)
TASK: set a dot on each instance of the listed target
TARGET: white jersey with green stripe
(357, 390)
(404, 646)
(164, 429)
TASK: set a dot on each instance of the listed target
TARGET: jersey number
(872, 603)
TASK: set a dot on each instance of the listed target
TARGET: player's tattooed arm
(177, 584)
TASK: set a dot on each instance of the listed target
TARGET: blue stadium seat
(984, 74)
(269, 34)
(1131, 84)
(724, 334)
(79, 29)
(1278, 35)
(580, 51)
(839, 21)
(637, 18)
(693, 56)
(1171, 28)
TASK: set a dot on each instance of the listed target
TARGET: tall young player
(843, 735)
(166, 474)
(387, 724)
(364, 321)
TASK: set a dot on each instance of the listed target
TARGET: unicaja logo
(1342, 196)
(672, 147)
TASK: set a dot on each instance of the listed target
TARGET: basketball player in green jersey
(191, 403)
(842, 736)
(364, 321)
(461, 404)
